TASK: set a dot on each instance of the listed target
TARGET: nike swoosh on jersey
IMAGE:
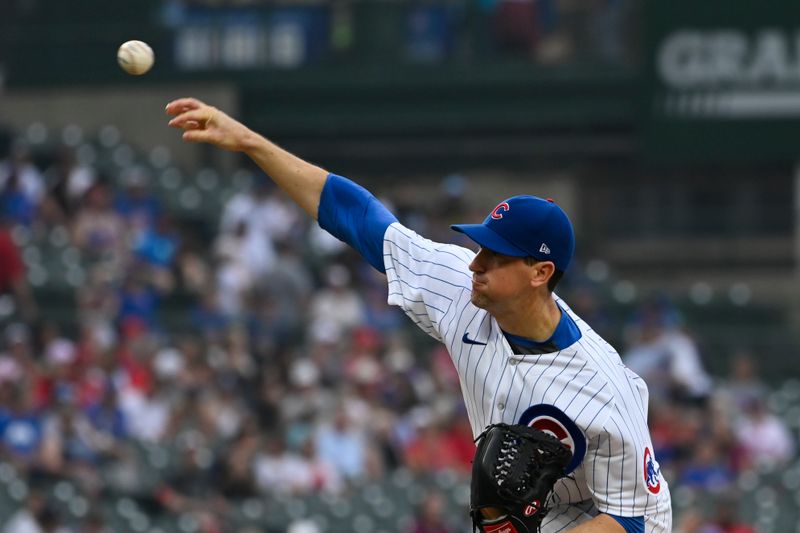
(467, 340)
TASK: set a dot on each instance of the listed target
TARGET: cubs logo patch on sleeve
(552, 420)
(652, 472)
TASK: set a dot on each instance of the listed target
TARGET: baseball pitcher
(561, 423)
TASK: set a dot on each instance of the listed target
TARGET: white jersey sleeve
(425, 277)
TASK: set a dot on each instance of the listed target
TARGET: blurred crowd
(287, 373)
(548, 32)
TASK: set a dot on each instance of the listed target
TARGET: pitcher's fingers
(182, 105)
(200, 116)
(197, 135)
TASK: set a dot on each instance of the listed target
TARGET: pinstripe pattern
(587, 381)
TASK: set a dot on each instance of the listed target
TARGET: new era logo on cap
(544, 249)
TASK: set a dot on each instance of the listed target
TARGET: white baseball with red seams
(135, 57)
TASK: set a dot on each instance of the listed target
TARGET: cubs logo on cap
(497, 212)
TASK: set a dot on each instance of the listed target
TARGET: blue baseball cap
(526, 226)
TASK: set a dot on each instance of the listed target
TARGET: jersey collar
(566, 333)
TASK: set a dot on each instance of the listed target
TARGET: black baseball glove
(513, 474)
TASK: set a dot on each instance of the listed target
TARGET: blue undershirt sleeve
(352, 214)
(632, 524)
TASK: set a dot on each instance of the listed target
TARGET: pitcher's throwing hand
(203, 123)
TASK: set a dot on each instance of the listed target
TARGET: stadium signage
(721, 81)
(730, 73)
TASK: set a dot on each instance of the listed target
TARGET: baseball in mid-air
(135, 57)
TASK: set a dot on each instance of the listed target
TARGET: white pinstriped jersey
(585, 383)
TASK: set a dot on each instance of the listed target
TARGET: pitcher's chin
(478, 299)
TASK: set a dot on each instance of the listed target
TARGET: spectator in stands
(343, 445)
(17, 363)
(97, 306)
(207, 317)
(271, 392)
(135, 203)
(692, 521)
(72, 448)
(37, 515)
(148, 411)
(236, 362)
(244, 259)
(95, 523)
(306, 397)
(338, 305)
(138, 302)
(676, 431)
(377, 313)
(94, 369)
(67, 182)
(99, 231)
(21, 185)
(722, 520)
(12, 274)
(290, 286)
(766, 440)
(265, 208)
(429, 450)
(727, 519)
(193, 268)
(667, 357)
(277, 469)
(157, 247)
(190, 486)
(458, 438)
(191, 420)
(235, 468)
(317, 475)
(14, 204)
(707, 469)
(743, 385)
(224, 405)
(362, 365)
(430, 515)
(21, 428)
(397, 392)
(58, 376)
(108, 421)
